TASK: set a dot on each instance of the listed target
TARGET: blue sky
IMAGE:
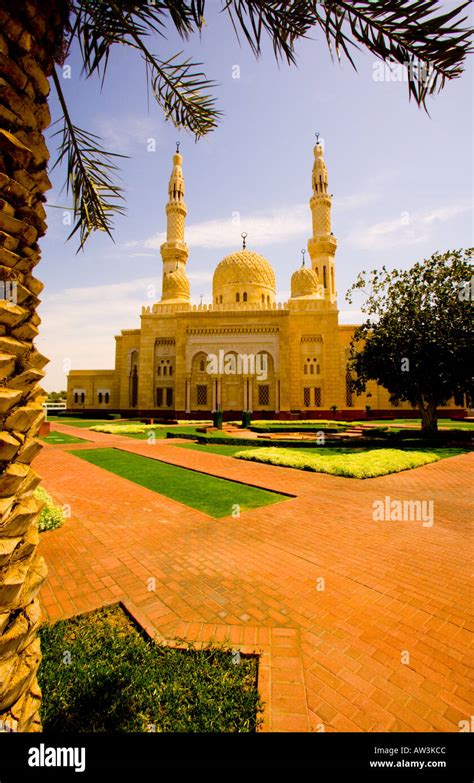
(401, 181)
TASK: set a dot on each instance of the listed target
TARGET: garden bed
(100, 673)
(382, 440)
(361, 465)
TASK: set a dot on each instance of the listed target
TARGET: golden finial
(244, 237)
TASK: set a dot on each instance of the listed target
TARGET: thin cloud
(409, 228)
(124, 133)
(267, 228)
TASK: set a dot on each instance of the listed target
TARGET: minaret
(322, 245)
(174, 252)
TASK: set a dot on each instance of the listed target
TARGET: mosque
(243, 352)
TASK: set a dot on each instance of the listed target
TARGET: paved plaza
(361, 625)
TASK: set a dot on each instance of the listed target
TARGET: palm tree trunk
(29, 38)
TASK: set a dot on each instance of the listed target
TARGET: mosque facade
(243, 352)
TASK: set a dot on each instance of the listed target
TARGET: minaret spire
(322, 245)
(174, 252)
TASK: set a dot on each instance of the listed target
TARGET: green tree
(56, 396)
(417, 341)
(36, 37)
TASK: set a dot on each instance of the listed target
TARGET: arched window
(83, 397)
(201, 365)
(100, 398)
(107, 397)
(165, 370)
(311, 369)
(263, 298)
(237, 297)
(159, 370)
(171, 371)
(268, 300)
(220, 298)
(305, 369)
(245, 296)
(76, 397)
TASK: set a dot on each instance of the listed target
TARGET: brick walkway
(385, 646)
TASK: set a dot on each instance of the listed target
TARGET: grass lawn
(214, 496)
(338, 462)
(119, 680)
(61, 437)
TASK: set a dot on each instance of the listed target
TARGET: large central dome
(244, 277)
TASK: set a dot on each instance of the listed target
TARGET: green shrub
(124, 429)
(52, 516)
(298, 423)
(362, 465)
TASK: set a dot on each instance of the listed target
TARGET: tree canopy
(417, 340)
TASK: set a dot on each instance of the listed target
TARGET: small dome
(304, 282)
(242, 277)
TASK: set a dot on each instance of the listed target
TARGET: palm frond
(284, 22)
(431, 45)
(90, 176)
(180, 88)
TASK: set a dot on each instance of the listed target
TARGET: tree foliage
(417, 340)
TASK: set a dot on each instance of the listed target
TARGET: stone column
(277, 395)
(214, 400)
(250, 399)
(187, 394)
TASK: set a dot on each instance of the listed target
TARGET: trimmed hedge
(295, 428)
(381, 443)
(298, 422)
(444, 435)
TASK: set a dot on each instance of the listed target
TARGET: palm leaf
(412, 33)
(431, 44)
(90, 174)
(179, 87)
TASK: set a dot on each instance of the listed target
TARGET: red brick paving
(331, 659)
